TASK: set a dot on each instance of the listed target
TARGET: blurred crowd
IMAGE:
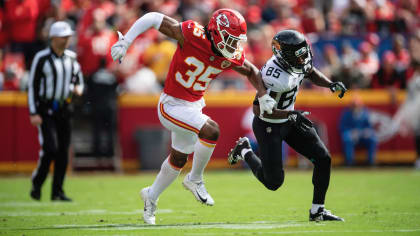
(363, 43)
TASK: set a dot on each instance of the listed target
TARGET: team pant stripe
(177, 122)
(207, 144)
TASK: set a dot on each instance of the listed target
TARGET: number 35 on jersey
(196, 78)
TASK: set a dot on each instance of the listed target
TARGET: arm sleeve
(152, 19)
(34, 85)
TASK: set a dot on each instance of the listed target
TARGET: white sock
(166, 176)
(245, 151)
(203, 150)
(315, 208)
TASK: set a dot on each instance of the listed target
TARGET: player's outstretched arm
(318, 78)
(252, 73)
(165, 24)
(254, 76)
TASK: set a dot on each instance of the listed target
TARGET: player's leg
(203, 149)
(61, 161)
(169, 171)
(188, 118)
(268, 168)
(48, 143)
(184, 137)
(311, 146)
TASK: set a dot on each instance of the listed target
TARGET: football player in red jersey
(202, 53)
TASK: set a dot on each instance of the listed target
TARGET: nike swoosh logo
(201, 198)
(270, 84)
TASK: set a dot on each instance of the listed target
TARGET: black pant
(54, 137)
(268, 168)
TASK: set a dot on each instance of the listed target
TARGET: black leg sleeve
(268, 169)
(311, 146)
(60, 164)
(47, 139)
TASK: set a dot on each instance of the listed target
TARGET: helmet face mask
(293, 52)
(228, 31)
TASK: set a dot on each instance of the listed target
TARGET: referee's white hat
(60, 29)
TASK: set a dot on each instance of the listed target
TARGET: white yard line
(309, 232)
(248, 226)
(34, 204)
(87, 212)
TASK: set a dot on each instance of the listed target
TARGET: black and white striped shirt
(52, 78)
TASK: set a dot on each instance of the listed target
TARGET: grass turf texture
(373, 202)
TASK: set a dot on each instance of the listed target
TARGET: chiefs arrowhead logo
(222, 20)
(225, 64)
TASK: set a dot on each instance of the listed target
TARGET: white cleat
(149, 207)
(199, 191)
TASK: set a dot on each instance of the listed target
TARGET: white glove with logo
(267, 104)
(119, 49)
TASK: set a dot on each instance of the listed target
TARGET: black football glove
(299, 120)
(338, 86)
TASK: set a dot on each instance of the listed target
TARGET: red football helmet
(227, 28)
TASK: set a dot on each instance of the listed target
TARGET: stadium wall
(19, 144)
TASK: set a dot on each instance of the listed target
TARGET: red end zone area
(19, 143)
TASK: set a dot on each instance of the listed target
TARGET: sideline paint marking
(109, 227)
(313, 231)
(87, 212)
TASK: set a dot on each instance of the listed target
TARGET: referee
(55, 76)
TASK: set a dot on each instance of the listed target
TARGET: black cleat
(60, 197)
(323, 215)
(235, 153)
(36, 193)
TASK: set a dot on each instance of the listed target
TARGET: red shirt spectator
(108, 8)
(3, 32)
(23, 15)
(387, 76)
(94, 46)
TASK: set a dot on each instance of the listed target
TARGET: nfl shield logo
(225, 64)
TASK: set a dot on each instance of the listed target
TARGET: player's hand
(338, 86)
(35, 120)
(267, 104)
(299, 120)
(119, 49)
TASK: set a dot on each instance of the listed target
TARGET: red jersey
(194, 65)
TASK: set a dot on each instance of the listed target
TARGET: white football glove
(119, 49)
(267, 104)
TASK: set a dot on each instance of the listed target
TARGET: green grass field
(372, 201)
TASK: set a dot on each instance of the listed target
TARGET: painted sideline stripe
(233, 227)
(314, 232)
(71, 213)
